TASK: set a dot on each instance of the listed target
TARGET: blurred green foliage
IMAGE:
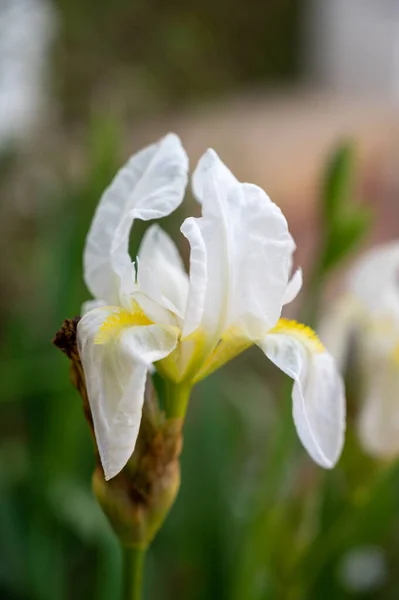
(255, 519)
(56, 542)
(344, 222)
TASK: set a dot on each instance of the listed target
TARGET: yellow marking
(302, 332)
(119, 320)
(185, 360)
(191, 361)
(231, 344)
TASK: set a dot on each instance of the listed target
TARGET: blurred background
(274, 87)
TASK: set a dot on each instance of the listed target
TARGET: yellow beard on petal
(304, 333)
(234, 342)
(118, 321)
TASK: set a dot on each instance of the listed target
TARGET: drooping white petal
(151, 185)
(294, 287)
(243, 253)
(161, 273)
(378, 422)
(317, 394)
(115, 373)
(374, 281)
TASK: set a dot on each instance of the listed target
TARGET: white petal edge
(151, 185)
(115, 375)
(318, 395)
(198, 276)
(294, 287)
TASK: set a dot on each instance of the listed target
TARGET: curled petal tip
(209, 158)
(172, 139)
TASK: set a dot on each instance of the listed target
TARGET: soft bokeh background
(273, 87)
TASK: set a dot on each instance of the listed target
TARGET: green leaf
(338, 182)
(344, 237)
(344, 222)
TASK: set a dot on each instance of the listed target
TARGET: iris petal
(243, 254)
(115, 367)
(151, 185)
(318, 390)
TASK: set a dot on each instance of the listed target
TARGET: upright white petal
(161, 273)
(115, 373)
(318, 390)
(243, 253)
(151, 185)
(374, 281)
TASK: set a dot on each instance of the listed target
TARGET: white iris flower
(366, 320)
(152, 313)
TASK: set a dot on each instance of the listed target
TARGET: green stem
(133, 562)
(176, 399)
